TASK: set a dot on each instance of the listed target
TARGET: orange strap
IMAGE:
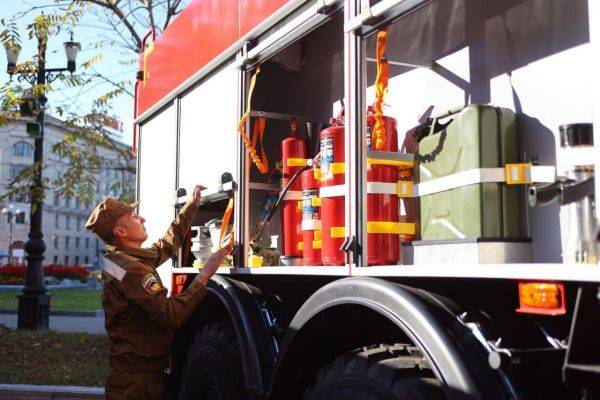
(261, 163)
(225, 222)
(378, 137)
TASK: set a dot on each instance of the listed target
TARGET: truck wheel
(377, 372)
(213, 369)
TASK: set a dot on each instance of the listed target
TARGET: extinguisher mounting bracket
(351, 245)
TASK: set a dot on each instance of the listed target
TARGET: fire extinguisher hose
(277, 203)
(381, 86)
(261, 163)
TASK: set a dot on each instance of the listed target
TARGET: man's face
(131, 227)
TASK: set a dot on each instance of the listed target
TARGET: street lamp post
(8, 211)
(34, 302)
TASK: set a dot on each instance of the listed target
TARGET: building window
(67, 202)
(68, 224)
(66, 260)
(76, 260)
(15, 170)
(56, 199)
(56, 221)
(20, 218)
(22, 149)
(55, 260)
(78, 227)
(77, 242)
(87, 260)
(55, 241)
(67, 240)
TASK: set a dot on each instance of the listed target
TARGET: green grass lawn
(68, 299)
(53, 358)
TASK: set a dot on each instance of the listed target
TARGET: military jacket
(139, 317)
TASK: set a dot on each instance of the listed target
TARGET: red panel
(253, 12)
(200, 33)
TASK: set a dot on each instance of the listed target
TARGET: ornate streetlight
(34, 302)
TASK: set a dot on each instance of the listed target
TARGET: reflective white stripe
(113, 269)
(311, 225)
(382, 188)
(332, 191)
(543, 174)
(540, 174)
(293, 195)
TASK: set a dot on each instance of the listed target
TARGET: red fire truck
(410, 185)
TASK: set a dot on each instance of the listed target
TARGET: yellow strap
(338, 232)
(518, 173)
(300, 246)
(378, 138)
(297, 162)
(316, 244)
(405, 189)
(315, 201)
(317, 173)
(394, 228)
(395, 163)
(318, 235)
(299, 207)
(225, 222)
(261, 163)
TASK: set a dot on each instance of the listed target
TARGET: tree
(120, 24)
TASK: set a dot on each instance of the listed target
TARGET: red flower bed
(15, 274)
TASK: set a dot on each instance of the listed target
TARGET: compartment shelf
(544, 272)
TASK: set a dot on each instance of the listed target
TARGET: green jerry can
(477, 137)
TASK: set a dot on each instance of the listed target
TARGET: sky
(86, 33)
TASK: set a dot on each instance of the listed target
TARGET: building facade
(67, 240)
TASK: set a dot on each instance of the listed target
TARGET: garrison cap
(105, 215)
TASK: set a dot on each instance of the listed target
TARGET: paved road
(63, 324)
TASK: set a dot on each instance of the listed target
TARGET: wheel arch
(428, 321)
(241, 304)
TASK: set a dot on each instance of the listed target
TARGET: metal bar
(264, 186)
(279, 116)
(310, 16)
(222, 58)
(390, 155)
(410, 64)
(594, 22)
(378, 10)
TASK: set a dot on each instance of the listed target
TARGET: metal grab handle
(543, 195)
(570, 193)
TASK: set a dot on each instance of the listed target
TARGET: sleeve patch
(150, 284)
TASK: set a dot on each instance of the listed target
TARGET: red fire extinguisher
(293, 151)
(311, 219)
(383, 248)
(332, 207)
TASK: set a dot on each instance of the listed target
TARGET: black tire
(213, 368)
(381, 372)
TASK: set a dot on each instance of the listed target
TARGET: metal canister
(577, 217)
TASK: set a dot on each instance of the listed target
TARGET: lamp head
(12, 55)
(72, 49)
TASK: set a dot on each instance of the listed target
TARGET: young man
(139, 317)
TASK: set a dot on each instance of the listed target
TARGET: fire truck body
(445, 322)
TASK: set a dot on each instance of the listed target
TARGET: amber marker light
(542, 298)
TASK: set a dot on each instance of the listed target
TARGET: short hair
(110, 238)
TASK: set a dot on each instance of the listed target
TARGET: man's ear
(119, 232)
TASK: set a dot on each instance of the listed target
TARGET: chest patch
(150, 284)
